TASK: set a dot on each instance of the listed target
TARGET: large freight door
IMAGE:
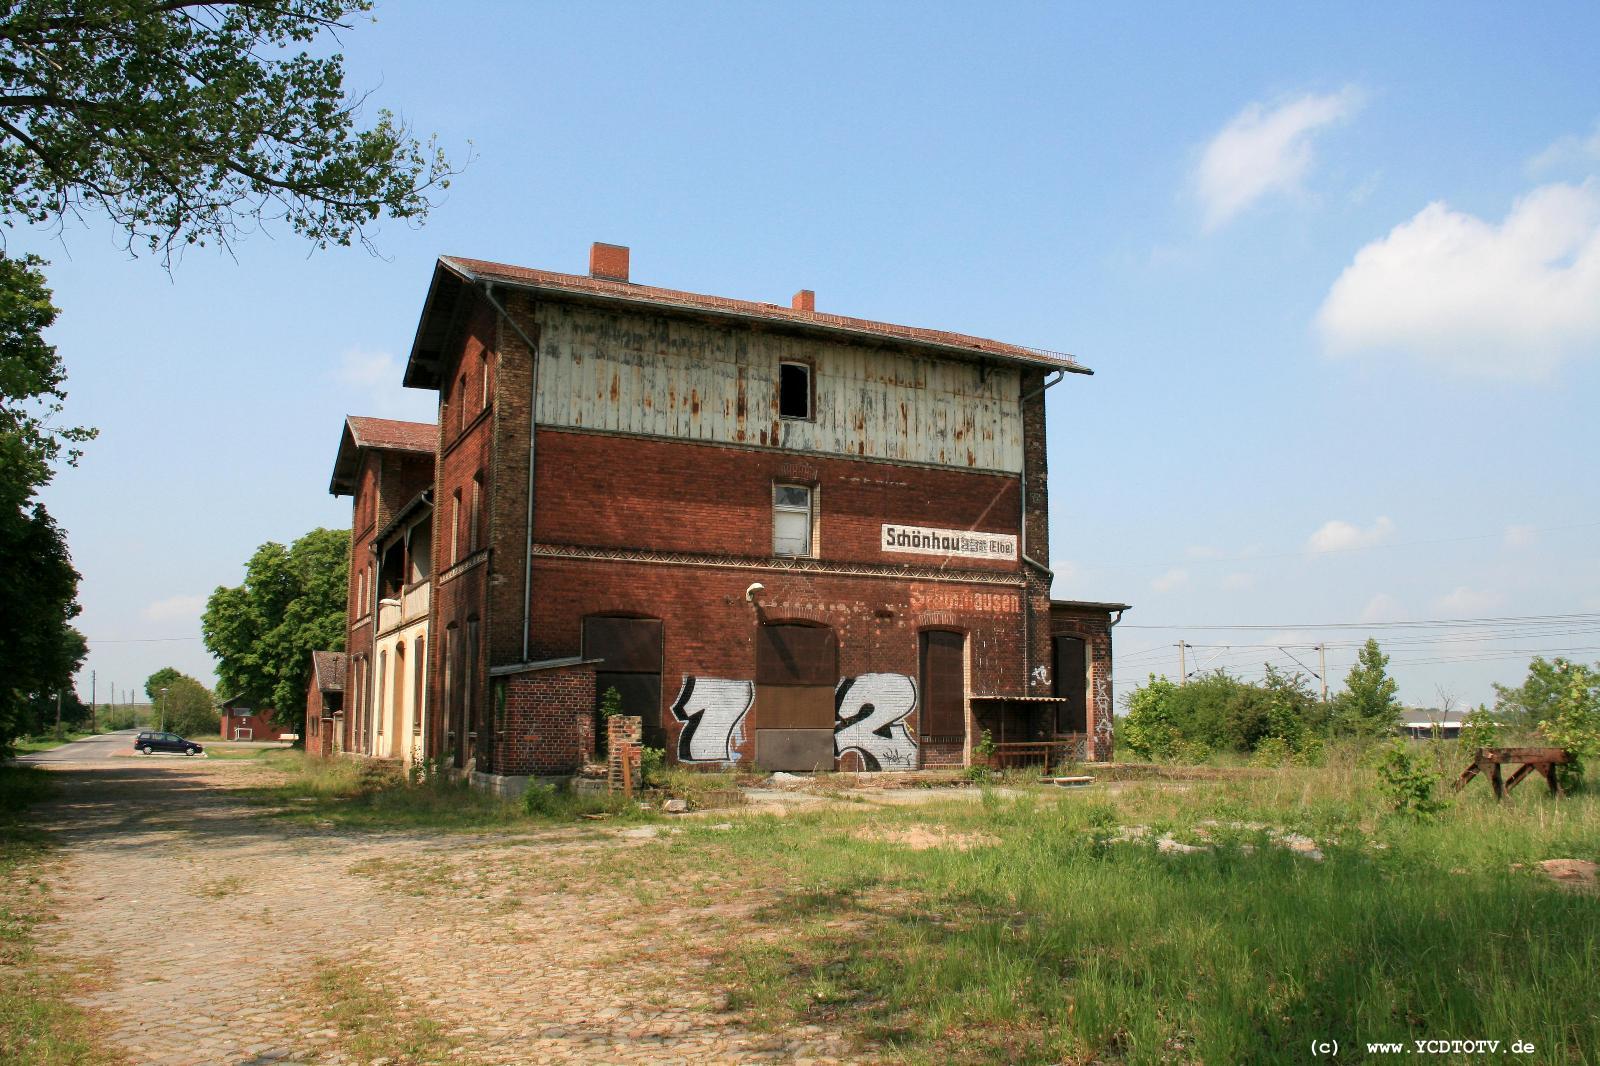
(797, 668)
(631, 648)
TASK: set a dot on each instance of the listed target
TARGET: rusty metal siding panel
(666, 377)
(794, 707)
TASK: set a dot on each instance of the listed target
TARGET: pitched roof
(328, 670)
(386, 434)
(376, 434)
(439, 314)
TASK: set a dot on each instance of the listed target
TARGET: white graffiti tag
(869, 719)
(711, 710)
(1103, 738)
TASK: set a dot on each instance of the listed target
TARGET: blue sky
(1337, 270)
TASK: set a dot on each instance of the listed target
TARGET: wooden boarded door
(631, 649)
(1072, 685)
(943, 723)
(797, 668)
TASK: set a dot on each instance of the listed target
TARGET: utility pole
(58, 712)
(94, 717)
(1322, 663)
(1183, 667)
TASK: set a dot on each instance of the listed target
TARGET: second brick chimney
(804, 300)
(608, 261)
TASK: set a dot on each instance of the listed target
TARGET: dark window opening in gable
(794, 390)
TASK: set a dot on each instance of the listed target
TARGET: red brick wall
(315, 734)
(1093, 627)
(545, 725)
(709, 629)
(461, 578)
(260, 724)
(614, 491)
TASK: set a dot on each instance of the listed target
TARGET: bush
(652, 766)
(541, 800)
(1217, 713)
(1409, 787)
(1575, 725)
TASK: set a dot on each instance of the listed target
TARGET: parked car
(149, 742)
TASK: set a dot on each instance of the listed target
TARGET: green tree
(292, 603)
(1368, 706)
(188, 122)
(160, 680)
(185, 707)
(185, 123)
(1543, 692)
(188, 708)
(39, 649)
(1574, 720)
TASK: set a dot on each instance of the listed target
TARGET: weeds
(38, 1024)
(364, 1010)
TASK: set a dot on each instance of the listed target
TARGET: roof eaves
(1040, 358)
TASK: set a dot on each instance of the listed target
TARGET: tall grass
(1058, 943)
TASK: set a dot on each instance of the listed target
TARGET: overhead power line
(1582, 618)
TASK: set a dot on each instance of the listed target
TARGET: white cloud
(1519, 536)
(175, 609)
(1203, 551)
(1338, 535)
(1236, 582)
(1509, 300)
(1264, 150)
(1170, 580)
(1571, 150)
(1382, 608)
(1468, 602)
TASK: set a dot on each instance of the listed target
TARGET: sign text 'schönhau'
(926, 540)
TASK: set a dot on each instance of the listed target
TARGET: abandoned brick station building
(783, 537)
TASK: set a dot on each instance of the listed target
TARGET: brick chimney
(804, 300)
(608, 261)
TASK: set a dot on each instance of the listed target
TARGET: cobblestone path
(201, 925)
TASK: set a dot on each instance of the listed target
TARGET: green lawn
(47, 741)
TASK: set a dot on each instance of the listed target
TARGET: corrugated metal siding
(669, 378)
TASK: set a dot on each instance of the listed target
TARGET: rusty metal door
(797, 667)
(1072, 685)
(944, 695)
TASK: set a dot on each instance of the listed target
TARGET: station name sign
(926, 540)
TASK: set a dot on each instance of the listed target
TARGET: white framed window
(794, 391)
(791, 519)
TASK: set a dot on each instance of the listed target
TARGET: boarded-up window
(1072, 685)
(631, 650)
(943, 684)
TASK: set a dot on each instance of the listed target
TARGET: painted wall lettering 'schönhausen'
(712, 709)
(870, 714)
(869, 719)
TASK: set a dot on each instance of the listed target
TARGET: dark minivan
(148, 743)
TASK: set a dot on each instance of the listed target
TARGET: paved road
(201, 924)
(89, 749)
